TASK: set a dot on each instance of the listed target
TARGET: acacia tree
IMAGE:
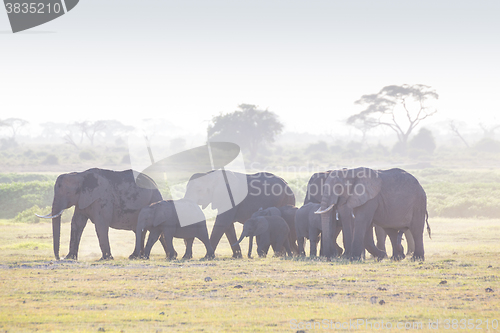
(14, 124)
(248, 127)
(401, 108)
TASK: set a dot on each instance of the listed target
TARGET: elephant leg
(410, 242)
(370, 246)
(206, 241)
(381, 236)
(163, 243)
(153, 237)
(102, 230)
(346, 219)
(138, 254)
(189, 248)
(78, 223)
(335, 236)
(168, 232)
(222, 222)
(231, 236)
(397, 248)
(300, 242)
(418, 236)
(288, 248)
(362, 222)
(313, 242)
(263, 244)
(250, 246)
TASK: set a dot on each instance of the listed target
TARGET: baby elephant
(308, 226)
(269, 231)
(163, 217)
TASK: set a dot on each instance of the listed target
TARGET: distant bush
(488, 145)
(87, 155)
(423, 141)
(463, 200)
(51, 160)
(24, 177)
(318, 147)
(28, 215)
(17, 197)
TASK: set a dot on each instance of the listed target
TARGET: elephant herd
(349, 200)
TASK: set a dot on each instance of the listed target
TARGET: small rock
(208, 279)
(373, 299)
(382, 302)
(238, 286)
(300, 331)
(101, 329)
(489, 266)
(443, 282)
(381, 288)
(162, 313)
(489, 290)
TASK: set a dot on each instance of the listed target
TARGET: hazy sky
(308, 61)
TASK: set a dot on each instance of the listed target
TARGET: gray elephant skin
(108, 198)
(314, 194)
(288, 214)
(308, 226)
(392, 199)
(269, 231)
(264, 190)
(162, 217)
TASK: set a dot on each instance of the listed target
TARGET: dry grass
(41, 294)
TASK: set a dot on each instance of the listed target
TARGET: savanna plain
(455, 289)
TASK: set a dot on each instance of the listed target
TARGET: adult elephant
(314, 194)
(392, 199)
(108, 198)
(236, 196)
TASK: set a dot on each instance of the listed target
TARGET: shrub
(17, 197)
(87, 155)
(423, 141)
(28, 215)
(51, 160)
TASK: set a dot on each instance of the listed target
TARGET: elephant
(227, 192)
(108, 198)
(162, 217)
(269, 231)
(314, 194)
(308, 226)
(392, 199)
(288, 214)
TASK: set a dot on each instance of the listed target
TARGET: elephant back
(128, 195)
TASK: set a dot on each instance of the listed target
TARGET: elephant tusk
(50, 217)
(319, 211)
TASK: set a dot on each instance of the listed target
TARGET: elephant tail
(427, 221)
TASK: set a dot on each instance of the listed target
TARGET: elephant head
(73, 189)
(346, 189)
(254, 227)
(222, 188)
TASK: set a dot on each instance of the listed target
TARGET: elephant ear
(93, 187)
(159, 215)
(226, 182)
(261, 226)
(366, 185)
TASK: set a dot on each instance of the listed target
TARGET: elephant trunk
(326, 242)
(243, 235)
(56, 234)
(57, 210)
